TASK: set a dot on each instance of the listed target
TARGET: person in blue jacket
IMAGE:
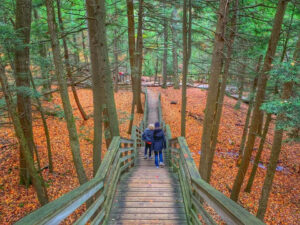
(159, 143)
(147, 137)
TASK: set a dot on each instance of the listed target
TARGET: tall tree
(68, 114)
(67, 61)
(186, 39)
(174, 48)
(22, 72)
(37, 180)
(215, 71)
(165, 59)
(222, 87)
(277, 141)
(275, 34)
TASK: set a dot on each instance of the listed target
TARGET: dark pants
(158, 153)
(148, 146)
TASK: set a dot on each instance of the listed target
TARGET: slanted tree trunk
(277, 141)
(165, 59)
(36, 179)
(250, 106)
(174, 49)
(46, 130)
(221, 90)
(186, 38)
(67, 62)
(21, 62)
(258, 154)
(259, 98)
(215, 71)
(68, 114)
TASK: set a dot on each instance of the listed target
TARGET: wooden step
(149, 216)
(147, 210)
(148, 199)
(147, 205)
(148, 222)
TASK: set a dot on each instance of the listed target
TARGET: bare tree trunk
(165, 60)
(258, 154)
(21, 61)
(277, 141)
(37, 180)
(259, 98)
(252, 94)
(139, 56)
(186, 32)
(174, 49)
(215, 71)
(86, 59)
(46, 130)
(67, 62)
(97, 84)
(241, 87)
(221, 91)
(73, 137)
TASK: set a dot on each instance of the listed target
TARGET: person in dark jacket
(147, 137)
(159, 143)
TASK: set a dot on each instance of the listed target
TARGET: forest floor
(17, 201)
(284, 203)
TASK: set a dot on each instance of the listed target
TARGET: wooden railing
(98, 193)
(197, 194)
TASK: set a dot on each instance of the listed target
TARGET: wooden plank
(149, 199)
(149, 189)
(147, 210)
(149, 216)
(148, 222)
(146, 194)
(147, 205)
(146, 185)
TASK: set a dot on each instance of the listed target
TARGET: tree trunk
(165, 60)
(174, 49)
(46, 130)
(221, 91)
(250, 106)
(186, 38)
(258, 154)
(68, 114)
(67, 62)
(37, 180)
(116, 62)
(259, 98)
(97, 84)
(21, 61)
(86, 59)
(277, 141)
(215, 71)
(44, 65)
(241, 87)
(139, 56)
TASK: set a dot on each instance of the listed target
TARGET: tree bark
(86, 59)
(221, 90)
(215, 71)
(37, 180)
(67, 62)
(241, 87)
(68, 114)
(165, 59)
(250, 106)
(186, 38)
(277, 141)
(258, 154)
(97, 84)
(21, 61)
(259, 98)
(174, 49)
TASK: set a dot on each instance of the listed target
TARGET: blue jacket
(159, 140)
(147, 135)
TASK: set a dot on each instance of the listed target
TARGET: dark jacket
(148, 135)
(159, 140)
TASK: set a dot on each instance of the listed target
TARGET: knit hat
(157, 125)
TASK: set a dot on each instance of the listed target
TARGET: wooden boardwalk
(148, 195)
